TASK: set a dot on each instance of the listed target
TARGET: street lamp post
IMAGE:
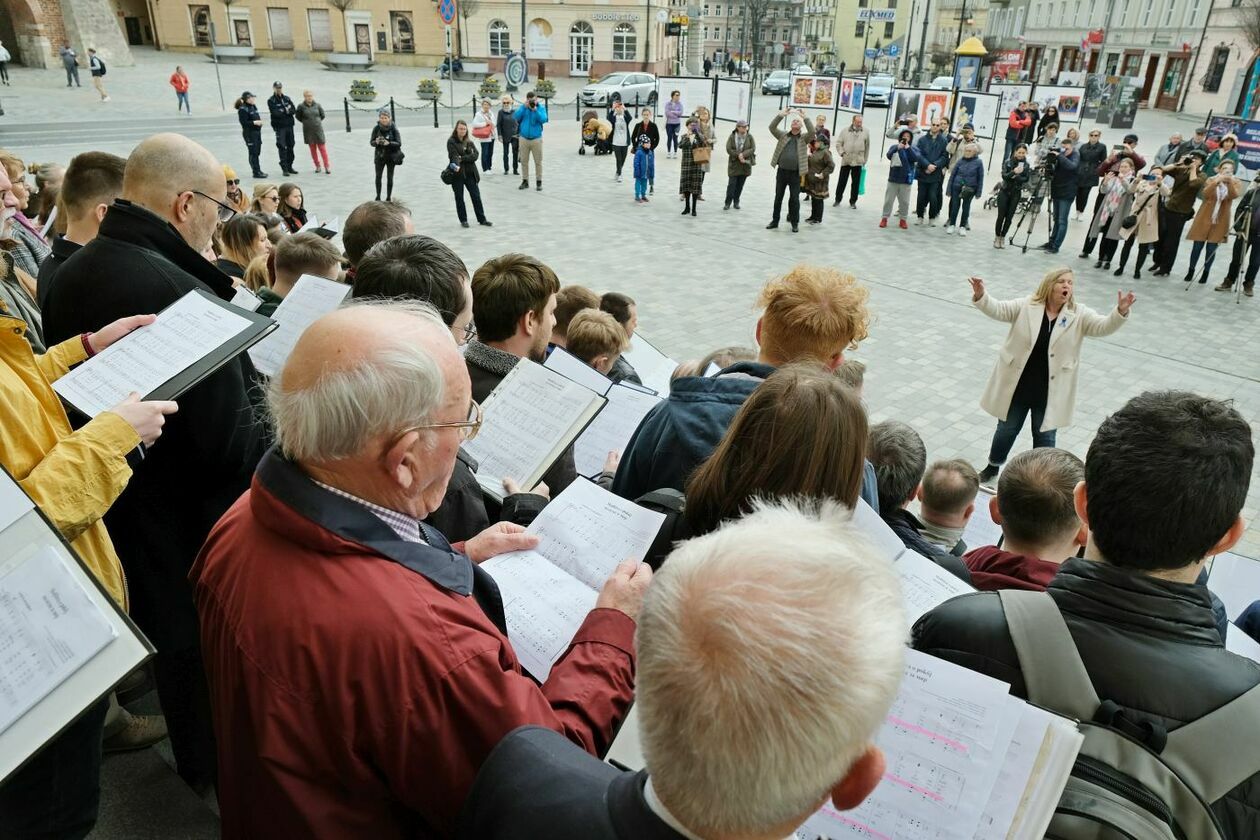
(927, 13)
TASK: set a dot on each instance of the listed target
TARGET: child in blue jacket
(644, 168)
(966, 181)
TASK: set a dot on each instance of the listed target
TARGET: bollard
(435, 119)
(392, 118)
(474, 106)
(346, 104)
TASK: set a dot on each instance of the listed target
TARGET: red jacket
(1017, 122)
(993, 569)
(180, 83)
(359, 681)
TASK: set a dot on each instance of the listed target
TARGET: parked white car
(633, 89)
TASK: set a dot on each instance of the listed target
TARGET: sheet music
(311, 298)
(712, 370)
(48, 630)
(925, 585)
(571, 367)
(526, 423)
(311, 223)
(245, 299)
(1021, 758)
(945, 740)
(612, 428)
(547, 591)
(183, 334)
(653, 366)
(333, 227)
(14, 504)
(868, 521)
(981, 530)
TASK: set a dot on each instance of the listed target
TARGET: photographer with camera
(1187, 180)
(902, 157)
(1125, 151)
(1015, 174)
(1060, 166)
(1115, 203)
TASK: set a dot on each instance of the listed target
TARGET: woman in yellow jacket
(1038, 364)
(74, 476)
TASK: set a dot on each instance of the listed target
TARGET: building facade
(776, 43)
(572, 39)
(35, 30)
(1153, 40)
(1225, 68)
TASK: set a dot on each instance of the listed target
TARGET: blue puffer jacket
(682, 431)
(969, 171)
(644, 165)
(907, 158)
(932, 150)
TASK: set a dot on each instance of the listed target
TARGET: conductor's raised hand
(1125, 301)
(499, 538)
(110, 333)
(146, 417)
(625, 588)
(977, 287)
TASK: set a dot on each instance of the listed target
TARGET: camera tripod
(1030, 207)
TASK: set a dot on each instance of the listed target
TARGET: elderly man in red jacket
(359, 666)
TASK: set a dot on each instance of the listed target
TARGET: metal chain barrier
(436, 103)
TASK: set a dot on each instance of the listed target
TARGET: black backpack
(674, 529)
(1120, 788)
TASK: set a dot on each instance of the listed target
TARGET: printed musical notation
(183, 334)
(48, 630)
(612, 428)
(310, 299)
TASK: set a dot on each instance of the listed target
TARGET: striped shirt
(407, 528)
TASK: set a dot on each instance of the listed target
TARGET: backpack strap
(1053, 671)
(1221, 750)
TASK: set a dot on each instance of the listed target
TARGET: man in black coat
(514, 307)
(146, 256)
(699, 679)
(1091, 154)
(282, 110)
(1165, 479)
(900, 460)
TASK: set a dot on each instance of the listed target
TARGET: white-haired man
(758, 696)
(359, 665)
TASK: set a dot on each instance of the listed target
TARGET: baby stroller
(596, 133)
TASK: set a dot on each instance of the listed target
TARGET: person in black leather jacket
(251, 128)
(900, 460)
(1165, 479)
(463, 154)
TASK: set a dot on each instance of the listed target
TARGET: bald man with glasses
(147, 255)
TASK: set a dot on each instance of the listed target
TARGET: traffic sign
(662, 16)
(871, 52)
(447, 10)
(894, 50)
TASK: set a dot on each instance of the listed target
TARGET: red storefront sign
(1006, 65)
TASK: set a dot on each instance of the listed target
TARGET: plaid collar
(407, 528)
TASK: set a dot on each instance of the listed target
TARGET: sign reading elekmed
(884, 15)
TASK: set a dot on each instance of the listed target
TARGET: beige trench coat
(1075, 323)
(1202, 229)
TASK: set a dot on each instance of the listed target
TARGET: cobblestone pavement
(696, 279)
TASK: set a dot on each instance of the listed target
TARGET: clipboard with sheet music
(64, 643)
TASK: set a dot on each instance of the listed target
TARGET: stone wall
(94, 23)
(40, 27)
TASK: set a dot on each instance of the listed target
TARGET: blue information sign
(871, 52)
(894, 50)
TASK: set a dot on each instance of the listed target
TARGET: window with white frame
(1168, 12)
(1076, 13)
(624, 42)
(1194, 12)
(1063, 13)
(1017, 28)
(500, 38)
(1124, 13)
(717, 10)
(1147, 12)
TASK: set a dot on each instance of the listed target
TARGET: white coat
(1076, 321)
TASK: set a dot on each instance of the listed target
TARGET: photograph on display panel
(1067, 100)
(905, 106)
(734, 100)
(694, 92)
(814, 92)
(979, 109)
(934, 104)
(852, 94)
(1011, 95)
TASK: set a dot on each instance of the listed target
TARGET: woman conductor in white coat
(1037, 366)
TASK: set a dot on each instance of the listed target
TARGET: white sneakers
(962, 231)
(949, 229)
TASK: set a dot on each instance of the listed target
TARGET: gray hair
(973, 147)
(757, 692)
(900, 458)
(336, 416)
(1036, 495)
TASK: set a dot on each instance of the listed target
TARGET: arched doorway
(581, 48)
(21, 29)
(200, 25)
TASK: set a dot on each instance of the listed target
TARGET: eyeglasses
(470, 332)
(468, 428)
(225, 213)
(233, 182)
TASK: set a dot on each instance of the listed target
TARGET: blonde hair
(593, 333)
(812, 312)
(747, 724)
(1047, 283)
(259, 191)
(257, 274)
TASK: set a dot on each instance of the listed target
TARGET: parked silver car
(879, 89)
(633, 89)
(780, 82)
